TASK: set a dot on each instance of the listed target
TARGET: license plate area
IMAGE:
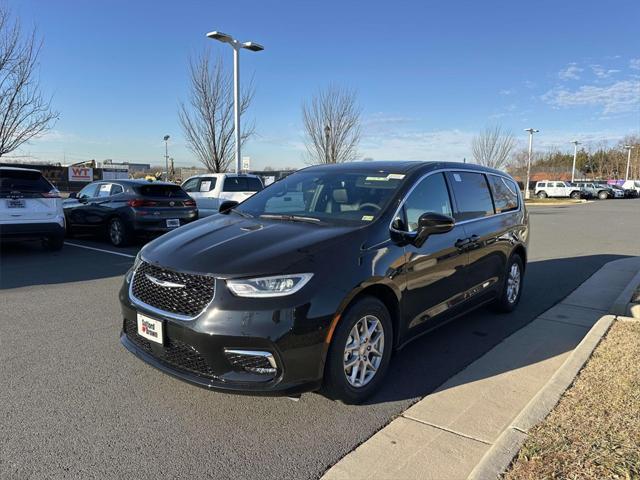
(150, 328)
(15, 203)
(173, 223)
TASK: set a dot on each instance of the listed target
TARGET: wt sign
(80, 174)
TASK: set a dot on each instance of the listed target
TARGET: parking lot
(75, 403)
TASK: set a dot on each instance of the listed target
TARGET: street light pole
(327, 132)
(575, 155)
(629, 148)
(166, 158)
(236, 45)
(531, 131)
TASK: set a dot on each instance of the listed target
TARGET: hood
(229, 245)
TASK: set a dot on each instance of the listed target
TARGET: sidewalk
(447, 433)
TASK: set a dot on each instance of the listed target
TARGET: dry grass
(594, 431)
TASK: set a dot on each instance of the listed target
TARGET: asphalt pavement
(75, 404)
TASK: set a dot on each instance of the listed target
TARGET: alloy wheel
(363, 351)
(116, 232)
(513, 283)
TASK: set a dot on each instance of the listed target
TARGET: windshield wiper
(291, 218)
(242, 214)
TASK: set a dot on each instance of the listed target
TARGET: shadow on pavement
(427, 362)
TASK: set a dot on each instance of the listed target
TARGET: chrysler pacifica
(311, 283)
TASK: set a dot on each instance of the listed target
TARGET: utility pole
(531, 131)
(166, 158)
(629, 148)
(575, 155)
(327, 133)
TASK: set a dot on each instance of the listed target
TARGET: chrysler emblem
(163, 283)
(172, 203)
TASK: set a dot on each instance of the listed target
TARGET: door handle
(461, 243)
(474, 239)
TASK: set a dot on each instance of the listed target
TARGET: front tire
(603, 195)
(511, 286)
(542, 194)
(118, 232)
(360, 352)
(575, 195)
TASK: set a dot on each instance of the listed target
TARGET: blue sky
(429, 75)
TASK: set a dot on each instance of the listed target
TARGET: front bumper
(196, 351)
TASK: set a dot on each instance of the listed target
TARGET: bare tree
(493, 147)
(332, 125)
(207, 118)
(24, 112)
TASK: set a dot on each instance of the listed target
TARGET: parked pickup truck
(557, 189)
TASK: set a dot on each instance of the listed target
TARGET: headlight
(277, 286)
(136, 264)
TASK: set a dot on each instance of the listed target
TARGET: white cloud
(602, 72)
(444, 145)
(507, 91)
(571, 72)
(620, 97)
(634, 63)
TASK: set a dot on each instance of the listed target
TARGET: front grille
(189, 301)
(174, 352)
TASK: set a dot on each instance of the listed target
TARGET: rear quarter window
(242, 184)
(505, 193)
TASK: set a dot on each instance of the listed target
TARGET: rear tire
(511, 286)
(542, 195)
(118, 232)
(359, 353)
(53, 243)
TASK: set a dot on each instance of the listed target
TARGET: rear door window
(207, 184)
(116, 189)
(24, 182)
(505, 193)
(242, 184)
(104, 190)
(472, 195)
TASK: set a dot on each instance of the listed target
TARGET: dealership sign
(80, 174)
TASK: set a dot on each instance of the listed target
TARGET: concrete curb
(556, 204)
(499, 456)
(628, 302)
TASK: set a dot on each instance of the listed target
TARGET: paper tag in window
(367, 218)
(457, 177)
(376, 179)
(395, 176)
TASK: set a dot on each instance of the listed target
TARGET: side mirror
(432, 224)
(73, 195)
(226, 206)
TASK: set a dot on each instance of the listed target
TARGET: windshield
(329, 196)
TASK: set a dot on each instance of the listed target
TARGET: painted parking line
(99, 250)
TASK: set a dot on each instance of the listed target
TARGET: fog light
(252, 361)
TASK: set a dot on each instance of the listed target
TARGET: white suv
(211, 189)
(30, 207)
(557, 189)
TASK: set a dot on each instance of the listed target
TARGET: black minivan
(314, 281)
